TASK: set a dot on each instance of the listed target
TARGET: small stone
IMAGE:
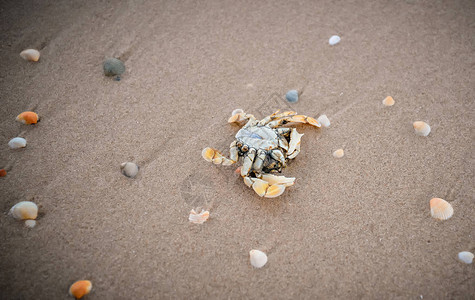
(30, 223)
(113, 67)
(335, 39)
(17, 142)
(30, 54)
(323, 119)
(129, 169)
(292, 96)
(466, 257)
(3, 172)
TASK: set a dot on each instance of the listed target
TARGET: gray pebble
(113, 67)
(129, 169)
(292, 96)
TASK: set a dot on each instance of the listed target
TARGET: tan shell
(388, 101)
(30, 54)
(441, 209)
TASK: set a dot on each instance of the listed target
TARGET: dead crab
(265, 147)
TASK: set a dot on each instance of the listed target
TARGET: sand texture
(357, 227)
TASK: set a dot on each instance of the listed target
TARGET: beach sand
(358, 227)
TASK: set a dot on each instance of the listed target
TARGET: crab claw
(214, 156)
(263, 188)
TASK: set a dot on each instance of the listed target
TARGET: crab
(265, 147)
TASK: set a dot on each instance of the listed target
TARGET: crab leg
(276, 115)
(259, 161)
(240, 118)
(279, 156)
(294, 142)
(233, 150)
(264, 189)
(214, 156)
(248, 160)
(294, 119)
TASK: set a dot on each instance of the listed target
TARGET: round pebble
(129, 169)
(292, 96)
(113, 67)
(17, 142)
(335, 39)
(3, 172)
(466, 257)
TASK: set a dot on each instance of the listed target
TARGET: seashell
(113, 67)
(30, 54)
(237, 111)
(129, 169)
(17, 142)
(260, 186)
(28, 117)
(80, 288)
(30, 223)
(274, 179)
(466, 257)
(388, 101)
(339, 153)
(441, 209)
(323, 119)
(198, 218)
(335, 39)
(421, 128)
(258, 258)
(3, 172)
(24, 210)
(292, 96)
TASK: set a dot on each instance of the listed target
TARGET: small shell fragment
(441, 209)
(24, 210)
(292, 96)
(388, 101)
(30, 223)
(258, 258)
(17, 142)
(198, 218)
(466, 257)
(421, 128)
(129, 169)
(339, 153)
(113, 67)
(3, 172)
(30, 54)
(237, 111)
(80, 288)
(323, 119)
(28, 117)
(335, 39)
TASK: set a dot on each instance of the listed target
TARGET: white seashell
(388, 101)
(466, 257)
(30, 54)
(258, 258)
(323, 119)
(237, 111)
(129, 169)
(24, 210)
(17, 142)
(441, 209)
(421, 128)
(198, 218)
(335, 39)
(339, 153)
(30, 223)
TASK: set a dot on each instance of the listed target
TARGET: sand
(358, 227)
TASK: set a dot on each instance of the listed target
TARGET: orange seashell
(28, 117)
(80, 288)
(3, 173)
(441, 209)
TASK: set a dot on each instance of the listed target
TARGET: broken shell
(466, 257)
(260, 187)
(275, 191)
(237, 111)
(421, 128)
(208, 154)
(274, 179)
(80, 288)
(323, 119)
(3, 173)
(441, 209)
(258, 258)
(17, 142)
(24, 210)
(30, 54)
(28, 117)
(388, 101)
(113, 66)
(198, 218)
(339, 153)
(129, 169)
(30, 223)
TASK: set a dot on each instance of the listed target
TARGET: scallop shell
(3, 172)
(30, 54)
(80, 288)
(198, 218)
(323, 119)
(466, 257)
(113, 67)
(258, 258)
(17, 142)
(24, 210)
(28, 117)
(30, 223)
(388, 101)
(421, 128)
(129, 169)
(339, 153)
(441, 209)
